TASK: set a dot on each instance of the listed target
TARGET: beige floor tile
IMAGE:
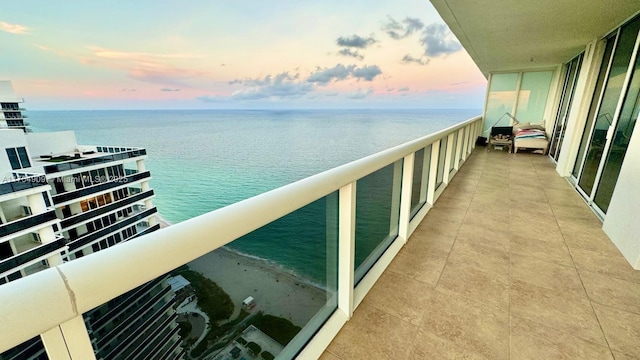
(547, 275)
(622, 356)
(424, 239)
(541, 247)
(592, 240)
(612, 265)
(374, 334)
(329, 356)
(486, 237)
(533, 341)
(573, 212)
(612, 292)
(475, 283)
(555, 309)
(572, 226)
(481, 256)
(621, 328)
(454, 327)
(420, 264)
(400, 296)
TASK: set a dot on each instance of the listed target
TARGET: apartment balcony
(27, 223)
(114, 206)
(33, 252)
(119, 182)
(25, 183)
(510, 263)
(135, 217)
(90, 159)
(481, 255)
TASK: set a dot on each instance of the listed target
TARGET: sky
(240, 54)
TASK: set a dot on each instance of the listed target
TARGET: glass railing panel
(266, 292)
(377, 215)
(442, 157)
(454, 145)
(32, 349)
(420, 185)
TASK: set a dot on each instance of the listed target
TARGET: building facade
(60, 201)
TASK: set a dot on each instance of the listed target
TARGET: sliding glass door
(612, 117)
(570, 79)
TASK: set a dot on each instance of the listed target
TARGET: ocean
(202, 160)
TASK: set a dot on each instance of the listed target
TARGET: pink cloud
(13, 28)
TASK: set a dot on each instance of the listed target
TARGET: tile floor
(509, 264)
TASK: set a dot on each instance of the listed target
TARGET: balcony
(24, 183)
(104, 232)
(20, 260)
(26, 223)
(75, 194)
(95, 160)
(509, 263)
(78, 218)
(493, 236)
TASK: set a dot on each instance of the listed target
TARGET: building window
(18, 158)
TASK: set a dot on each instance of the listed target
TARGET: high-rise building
(60, 201)
(10, 111)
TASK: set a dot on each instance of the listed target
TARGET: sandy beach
(276, 292)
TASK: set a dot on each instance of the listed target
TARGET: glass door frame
(614, 122)
(567, 94)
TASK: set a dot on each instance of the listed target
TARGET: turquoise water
(202, 160)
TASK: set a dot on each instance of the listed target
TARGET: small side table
(502, 142)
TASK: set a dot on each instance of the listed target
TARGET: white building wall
(51, 142)
(621, 223)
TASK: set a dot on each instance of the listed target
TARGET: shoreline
(277, 291)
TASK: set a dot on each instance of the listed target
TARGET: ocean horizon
(203, 160)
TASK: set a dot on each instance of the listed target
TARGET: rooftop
(509, 264)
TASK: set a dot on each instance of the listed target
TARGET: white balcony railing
(51, 302)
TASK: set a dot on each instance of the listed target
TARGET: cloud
(143, 66)
(210, 99)
(351, 53)
(169, 90)
(326, 75)
(439, 40)
(355, 41)
(282, 85)
(13, 28)
(341, 72)
(406, 88)
(400, 30)
(410, 59)
(367, 73)
(128, 90)
(459, 83)
(359, 94)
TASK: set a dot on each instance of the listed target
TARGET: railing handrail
(78, 286)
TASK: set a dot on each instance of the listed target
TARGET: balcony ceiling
(515, 34)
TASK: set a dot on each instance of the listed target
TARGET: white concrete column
(68, 341)
(3, 218)
(447, 159)
(141, 166)
(145, 186)
(346, 248)
(405, 196)
(68, 183)
(433, 172)
(426, 166)
(36, 203)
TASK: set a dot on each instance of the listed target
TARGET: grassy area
(211, 298)
(279, 329)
